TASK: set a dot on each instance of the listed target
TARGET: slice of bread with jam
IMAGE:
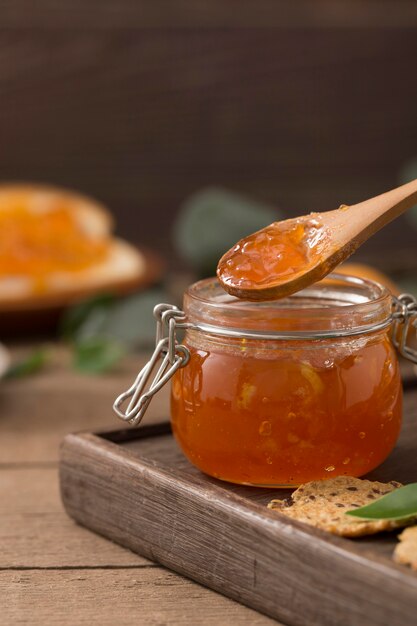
(56, 247)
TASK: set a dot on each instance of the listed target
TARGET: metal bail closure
(167, 358)
(405, 320)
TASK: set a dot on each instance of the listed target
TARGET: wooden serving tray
(136, 488)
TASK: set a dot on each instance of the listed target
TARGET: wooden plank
(38, 411)
(203, 13)
(35, 532)
(145, 495)
(149, 597)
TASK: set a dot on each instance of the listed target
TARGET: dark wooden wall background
(140, 103)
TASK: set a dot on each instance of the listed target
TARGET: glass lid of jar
(336, 306)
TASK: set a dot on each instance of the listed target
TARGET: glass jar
(282, 392)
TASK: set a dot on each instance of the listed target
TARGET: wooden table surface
(53, 571)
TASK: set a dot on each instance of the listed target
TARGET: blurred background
(302, 105)
(197, 122)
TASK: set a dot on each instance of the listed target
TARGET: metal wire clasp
(405, 318)
(166, 359)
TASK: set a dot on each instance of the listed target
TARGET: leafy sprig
(400, 504)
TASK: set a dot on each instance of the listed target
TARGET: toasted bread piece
(123, 268)
(323, 504)
(94, 217)
(406, 550)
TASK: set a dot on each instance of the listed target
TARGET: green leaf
(97, 355)
(212, 221)
(75, 317)
(129, 320)
(408, 284)
(398, 504)
(94, 324)
(29, 365)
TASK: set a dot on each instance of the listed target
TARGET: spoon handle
(360, 221)
(382, 209)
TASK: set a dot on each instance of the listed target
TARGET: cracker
(323, 504)
(406, 550)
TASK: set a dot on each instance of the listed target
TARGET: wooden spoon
(287, 256)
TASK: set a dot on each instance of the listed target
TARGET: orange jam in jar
(282, 392)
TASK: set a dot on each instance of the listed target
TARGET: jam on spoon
(287, 256)
(279, 251)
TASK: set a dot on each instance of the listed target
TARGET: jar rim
(339, 305)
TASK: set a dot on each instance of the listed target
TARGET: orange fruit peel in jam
(276, 254)
(40, 238)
